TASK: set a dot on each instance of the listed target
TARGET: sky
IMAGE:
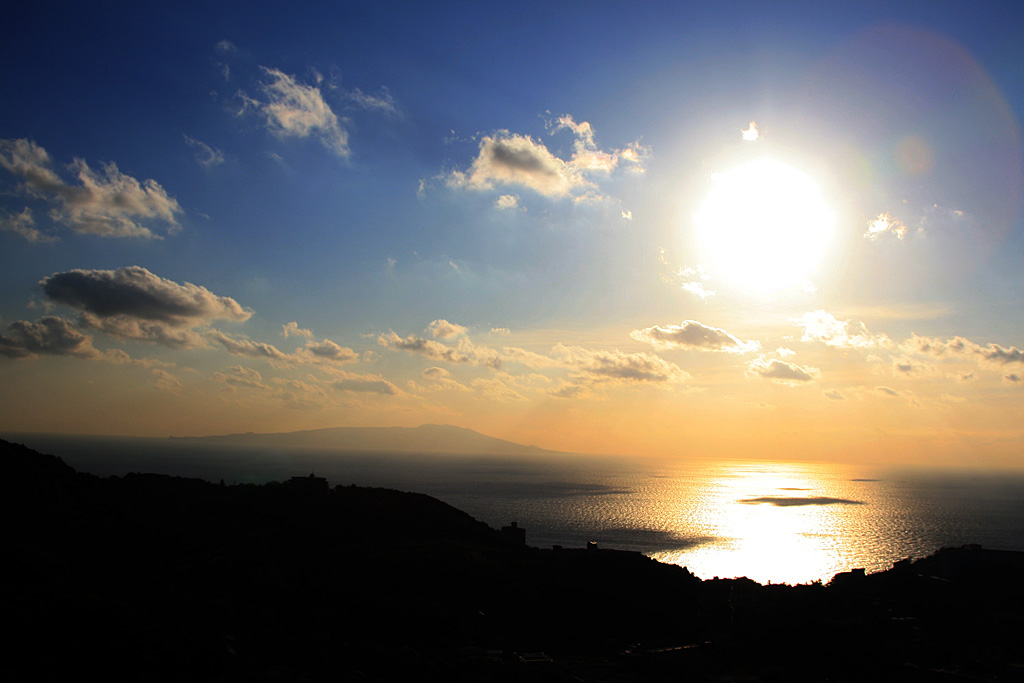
(669, 229)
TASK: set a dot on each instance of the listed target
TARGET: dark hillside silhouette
(150, 577)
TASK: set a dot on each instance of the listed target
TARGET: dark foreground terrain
(156, 578)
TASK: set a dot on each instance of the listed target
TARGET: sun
(764, 226)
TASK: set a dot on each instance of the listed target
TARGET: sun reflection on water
(769, 521)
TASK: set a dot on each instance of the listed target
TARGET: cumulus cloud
(824, 327)
(293, 109)
(507, 201)
(292, 329)
(781, 371)
(464, 351)
(509, 159)
(24, 224)
(886, 224)
(49, 335)
(133, 303)
(512, 159)
(442, 329)
(960, 347)
(328, 350)
(205, 155)
(618, 366)
(692, 335)
(107, 203)
(835, 395)
(751, 134)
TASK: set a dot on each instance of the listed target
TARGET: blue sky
(249, 217)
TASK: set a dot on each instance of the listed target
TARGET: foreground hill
(423, 439)
(149, 577)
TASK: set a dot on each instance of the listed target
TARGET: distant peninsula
(428, 438)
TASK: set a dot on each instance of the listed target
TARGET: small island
(155, 578)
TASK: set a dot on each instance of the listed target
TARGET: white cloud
(693, 335)
(697, 288)
(109, 204)
(293, 109)
(507, 201)
(501, 331)
(781, 371)
(751, 134)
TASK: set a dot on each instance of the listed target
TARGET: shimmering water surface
(777, 522)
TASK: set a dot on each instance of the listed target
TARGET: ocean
(771, 522)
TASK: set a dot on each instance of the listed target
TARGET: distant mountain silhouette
(428, 438)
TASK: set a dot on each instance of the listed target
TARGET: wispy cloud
(293, 109)
(24, 224)
(107, 203)
(205, 155)
(383, 102)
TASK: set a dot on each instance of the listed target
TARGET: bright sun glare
(764, 225)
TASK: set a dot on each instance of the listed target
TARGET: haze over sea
(769, 521)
